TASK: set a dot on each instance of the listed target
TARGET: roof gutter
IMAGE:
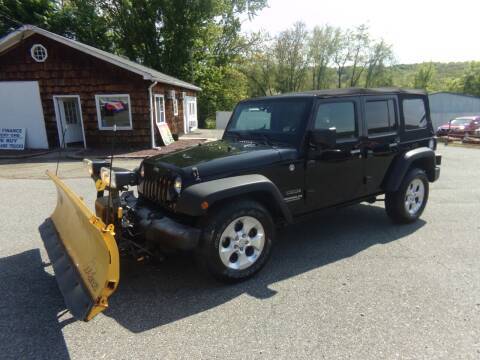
(152, 113)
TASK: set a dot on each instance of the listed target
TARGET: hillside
(403, 74)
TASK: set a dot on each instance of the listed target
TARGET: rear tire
(406, 204)
(236, 240)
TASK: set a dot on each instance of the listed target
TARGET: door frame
(186, 128)
(156, 108)
(59, 122)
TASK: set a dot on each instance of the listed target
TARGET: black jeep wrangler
(281, 158)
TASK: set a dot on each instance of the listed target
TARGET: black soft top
(329, 93)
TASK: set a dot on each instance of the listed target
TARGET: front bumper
(152, 224)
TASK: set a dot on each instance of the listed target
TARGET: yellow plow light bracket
(84, 255)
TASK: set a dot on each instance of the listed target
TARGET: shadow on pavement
(150, 296)
(154, 295)
(30, 302)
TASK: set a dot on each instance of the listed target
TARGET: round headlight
(105, 176)
(177, 184)
(88, 165)
(142, 171)
(432, 144)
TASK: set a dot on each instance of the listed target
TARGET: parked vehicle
(281, 158)
(460, 127)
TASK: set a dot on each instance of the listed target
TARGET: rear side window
(414, 114)
(338, 115)
(380, 116)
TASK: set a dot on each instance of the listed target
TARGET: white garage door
(21, 107)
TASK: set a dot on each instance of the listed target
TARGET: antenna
(110, 177)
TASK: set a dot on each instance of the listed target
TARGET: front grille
(156, 188)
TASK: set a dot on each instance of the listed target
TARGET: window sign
(114, 110)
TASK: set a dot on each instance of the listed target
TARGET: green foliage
(291, 58)
(469, 83)
(210, 123)
(423, 77)
(16, 12)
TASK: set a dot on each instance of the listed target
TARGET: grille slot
(155, 187)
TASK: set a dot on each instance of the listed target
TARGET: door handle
(393, 145)
(355, 151)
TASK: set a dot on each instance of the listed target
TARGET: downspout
(152, 113)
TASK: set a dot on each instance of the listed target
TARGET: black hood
(222, 157)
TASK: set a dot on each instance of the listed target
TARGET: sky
(419, 30)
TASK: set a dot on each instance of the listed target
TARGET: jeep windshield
(281, 120)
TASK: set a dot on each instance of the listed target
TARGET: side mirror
(326, 138)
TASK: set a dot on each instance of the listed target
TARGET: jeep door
(381, 125)
(335, 175)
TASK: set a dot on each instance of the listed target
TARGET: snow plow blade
(84, 255)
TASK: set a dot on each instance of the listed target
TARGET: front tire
(236, 240)
(407, 203)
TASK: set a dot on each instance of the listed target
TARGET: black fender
(422, 157)
(192, 197)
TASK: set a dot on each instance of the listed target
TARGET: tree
(423, 77)
(359, 43)
(321, 49)
(380, 57)
(342, 54)
(291, 58)
(470, 81)
(258, 65)
(14, 13)
(83, 21)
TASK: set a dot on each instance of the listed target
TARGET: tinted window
(414, 114)
(279, 119)
(380, 116)
(339, 115)
(254, 118)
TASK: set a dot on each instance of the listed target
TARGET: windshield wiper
(236, 135)
(266, 139)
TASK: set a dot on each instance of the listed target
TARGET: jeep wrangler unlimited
(280, 158)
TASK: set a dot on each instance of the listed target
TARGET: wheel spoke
(226, 253)
(257, 241)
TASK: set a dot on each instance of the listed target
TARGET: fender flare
(214, 191)
(423, 155)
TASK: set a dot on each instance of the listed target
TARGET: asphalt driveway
(348, 284)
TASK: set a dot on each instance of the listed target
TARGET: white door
(69, 119)
(21, 107)
(160, 109)
(190, 109)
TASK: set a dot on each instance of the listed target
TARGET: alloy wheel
(242, 243)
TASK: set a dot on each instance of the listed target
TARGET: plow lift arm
(84, 254)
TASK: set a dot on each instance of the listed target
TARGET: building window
(380, 116)
(71, 111)
(414, 114)
(338, 115)
(114, 110)
(159, 109)
(39, 53)
(175, 107)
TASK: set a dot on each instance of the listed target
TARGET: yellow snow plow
(84, 254)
